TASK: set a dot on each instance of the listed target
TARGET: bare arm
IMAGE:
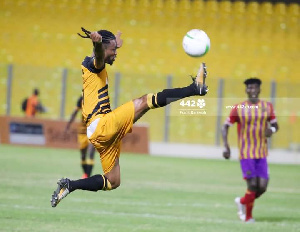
(99, 51)
(73, 116)
(226, 152)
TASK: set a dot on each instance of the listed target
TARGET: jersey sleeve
(89, 63)
(233, 117)
(272, 116)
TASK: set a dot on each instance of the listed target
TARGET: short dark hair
(252, 80)
(36, 92)
(107, 36)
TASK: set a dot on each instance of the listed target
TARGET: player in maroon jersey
(256, 121)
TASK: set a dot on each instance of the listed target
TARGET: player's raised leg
(167, 96)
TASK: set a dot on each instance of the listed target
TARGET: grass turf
(156, 194)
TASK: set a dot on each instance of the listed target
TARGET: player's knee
(262, 190)
(141, 103)
(114, 184)
(252, 185)
(253, 188)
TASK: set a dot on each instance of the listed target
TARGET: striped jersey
(252, 121)
(95, 91)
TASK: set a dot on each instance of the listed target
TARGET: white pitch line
(137, 215)
(215, 205)
(126, 214)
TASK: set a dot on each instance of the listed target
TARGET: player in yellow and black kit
(106, 128)
(87, 150)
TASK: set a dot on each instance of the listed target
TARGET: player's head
(253, 88)
(110, 45)
(36, 92)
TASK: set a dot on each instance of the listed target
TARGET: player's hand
(119, 40)
(226, 152)
(96, 37)
(268, 132)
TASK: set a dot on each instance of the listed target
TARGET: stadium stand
(247, 38)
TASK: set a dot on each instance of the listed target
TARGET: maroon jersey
(252, 120)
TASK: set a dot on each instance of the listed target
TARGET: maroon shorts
(255, 168)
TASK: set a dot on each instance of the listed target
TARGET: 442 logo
(200, 103)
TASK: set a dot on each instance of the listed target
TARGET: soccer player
(84, 145)
(256, 121)
(107, 128)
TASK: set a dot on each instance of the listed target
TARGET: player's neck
(253, 100)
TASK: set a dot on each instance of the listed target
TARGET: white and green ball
(196, 43)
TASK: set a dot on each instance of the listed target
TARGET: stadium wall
(60, 89)
(280, 156)
(51, 133)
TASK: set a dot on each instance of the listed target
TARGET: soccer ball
(196, 43)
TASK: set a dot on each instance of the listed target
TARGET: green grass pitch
(157, 194)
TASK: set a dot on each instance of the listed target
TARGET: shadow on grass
(278, 219)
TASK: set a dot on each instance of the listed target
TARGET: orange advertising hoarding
(51, 133)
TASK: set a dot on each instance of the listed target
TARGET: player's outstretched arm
(98, 49)
(72, 118)
(226, 152)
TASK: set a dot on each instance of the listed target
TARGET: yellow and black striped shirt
(95, 90)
